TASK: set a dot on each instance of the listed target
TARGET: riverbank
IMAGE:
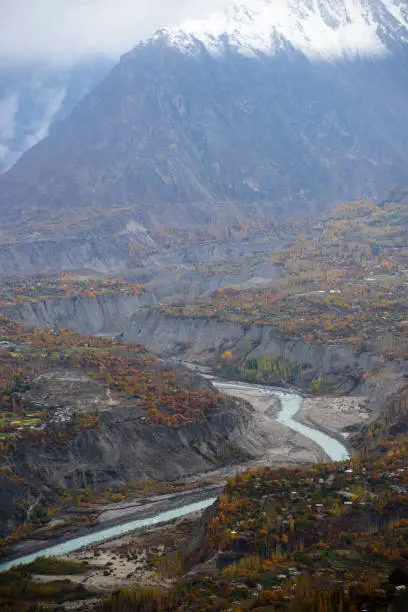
(113, 517)
(140, 558)
(131, 559)
(338, 417)
(281, 441)
(282, 445)
(331, 445)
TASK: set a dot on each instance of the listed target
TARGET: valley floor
(278, 446)
(282, 445)
(132, 560)
(143, 558)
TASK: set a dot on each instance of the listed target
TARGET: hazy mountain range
(268, 107)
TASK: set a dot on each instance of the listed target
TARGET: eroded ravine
(290, 405)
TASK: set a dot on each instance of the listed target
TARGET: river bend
(291, 404)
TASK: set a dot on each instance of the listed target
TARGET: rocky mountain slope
(269, 108)
(34, 98)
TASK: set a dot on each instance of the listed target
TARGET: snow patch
(320, 29)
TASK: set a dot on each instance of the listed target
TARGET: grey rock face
(185, 139)
(103, 314)
(202, 340)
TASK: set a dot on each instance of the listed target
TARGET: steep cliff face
(204, 340)
(183, 338)
(50, 256)
(117, 245)
(101, 314)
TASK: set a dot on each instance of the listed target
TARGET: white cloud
(8, 112)
(40, 130)
(63, 30)
(4, 150)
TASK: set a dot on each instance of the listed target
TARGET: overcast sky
(65, 29)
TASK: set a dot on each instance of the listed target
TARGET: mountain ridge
(183, 139)
(319, 29)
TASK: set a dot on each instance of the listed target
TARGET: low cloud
(40, 129)
(64, 30)
(17, 136)
(8, 112)
(4, 151)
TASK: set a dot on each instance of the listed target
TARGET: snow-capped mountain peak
(320, 29)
